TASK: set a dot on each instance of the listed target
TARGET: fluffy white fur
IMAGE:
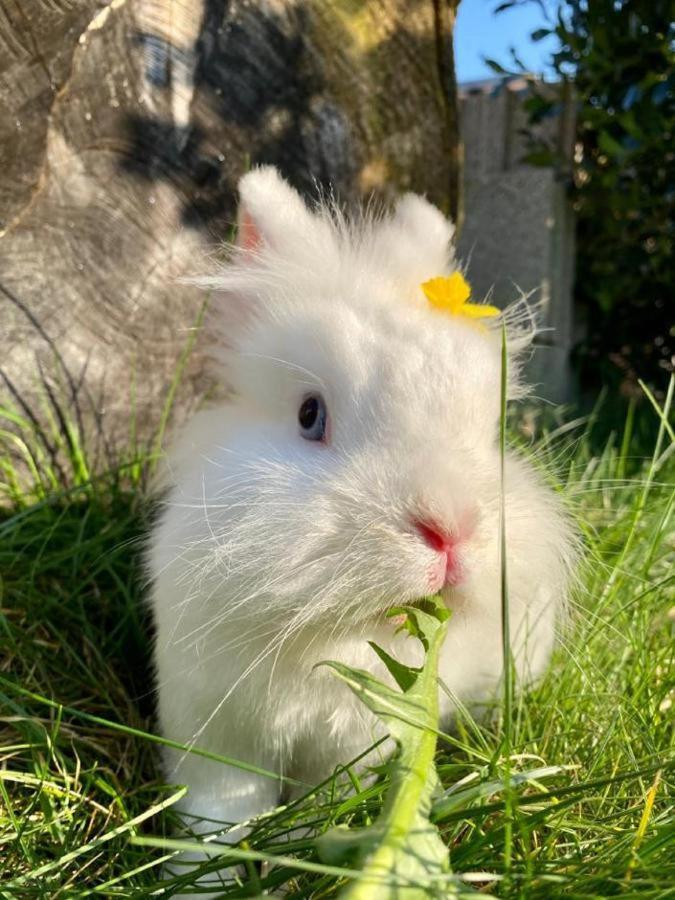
(273, 553)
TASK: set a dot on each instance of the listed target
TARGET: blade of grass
(97, 842)
(145, 735)
(644, 822)
(507, 662)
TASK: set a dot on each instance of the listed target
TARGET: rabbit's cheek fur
(274, 552)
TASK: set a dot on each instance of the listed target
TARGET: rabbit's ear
(274, 225)
(425, 223)
(271, 212)
(248, 233)
(416, 241)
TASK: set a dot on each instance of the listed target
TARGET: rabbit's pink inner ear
(248, 233)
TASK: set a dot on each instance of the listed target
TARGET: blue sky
(479, 33)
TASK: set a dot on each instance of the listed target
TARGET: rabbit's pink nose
(445, 544)
(435, 536)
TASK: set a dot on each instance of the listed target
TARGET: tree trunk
(123, 130)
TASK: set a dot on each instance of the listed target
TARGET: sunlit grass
(83, 807)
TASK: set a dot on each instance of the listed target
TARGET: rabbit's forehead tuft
(391, 362)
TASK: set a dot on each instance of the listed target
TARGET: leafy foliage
(402, 845)
(620, 56)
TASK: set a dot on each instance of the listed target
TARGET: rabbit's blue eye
(312, 417)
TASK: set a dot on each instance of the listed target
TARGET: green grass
(83, 807)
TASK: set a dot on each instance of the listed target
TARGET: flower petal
(447, 293)
(450, 294)
(478, 310)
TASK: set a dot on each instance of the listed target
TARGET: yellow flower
(450, 295)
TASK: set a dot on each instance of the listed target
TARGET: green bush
(619, 55)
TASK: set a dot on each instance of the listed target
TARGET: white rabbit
(352, 466)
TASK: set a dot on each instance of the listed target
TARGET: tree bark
(124, 128)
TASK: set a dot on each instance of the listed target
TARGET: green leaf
(609, 145)
(397, 709)
(402, 853)
(403, 675)
(495, 66)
